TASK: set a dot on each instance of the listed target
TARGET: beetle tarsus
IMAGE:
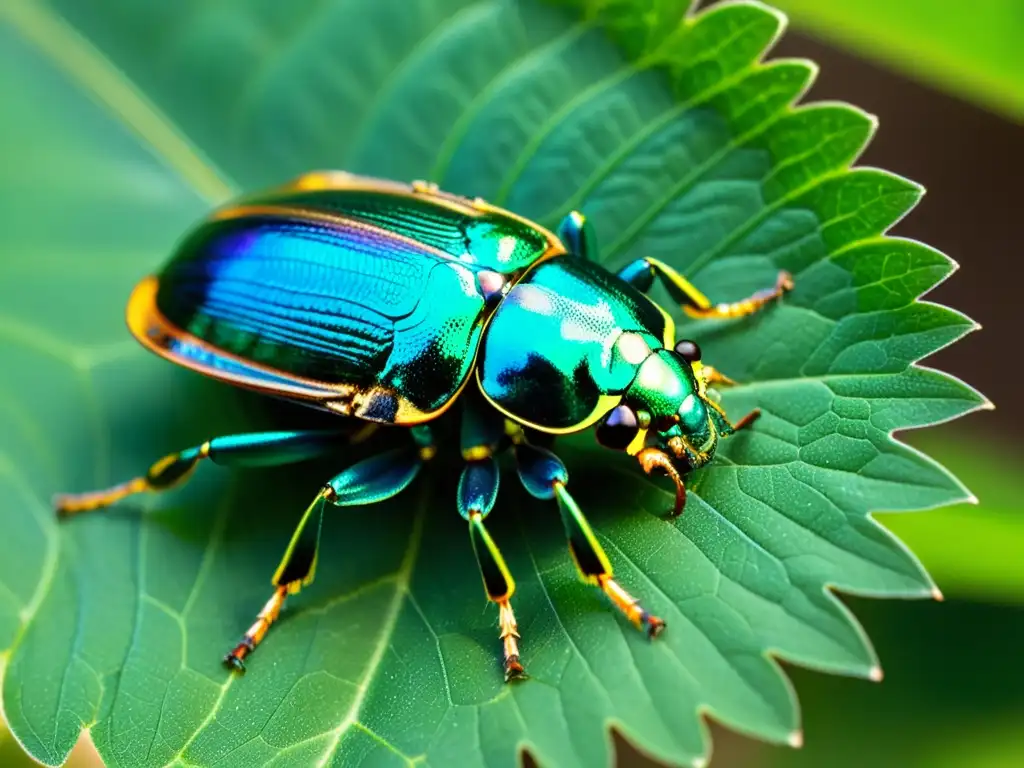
(652, 624)
(514, 669)
(234, 660)
(642, 619)
(748, 306)
(67, 504)
(510, 639)
(267, 616)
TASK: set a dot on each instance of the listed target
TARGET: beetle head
(665, 418)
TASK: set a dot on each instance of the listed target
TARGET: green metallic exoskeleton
(390, 303)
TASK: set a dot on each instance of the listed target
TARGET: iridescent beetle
(382, 301)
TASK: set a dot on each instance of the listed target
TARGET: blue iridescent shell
(361, 296)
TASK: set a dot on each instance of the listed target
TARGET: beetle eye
(688, 350)
(619, 429)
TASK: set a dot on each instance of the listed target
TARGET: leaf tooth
(841, 133)
(748, 30)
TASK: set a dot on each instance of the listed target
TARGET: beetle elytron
(389, 303)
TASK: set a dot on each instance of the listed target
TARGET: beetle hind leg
(371, 480)
(67, 504)
(257, 449)
(545, 477)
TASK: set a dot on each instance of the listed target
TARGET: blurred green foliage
(972, 551)
(971, 49)
(952, 697)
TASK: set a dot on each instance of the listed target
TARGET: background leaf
(131, 119)
(947, 685)
(969, 49)
(972, 551)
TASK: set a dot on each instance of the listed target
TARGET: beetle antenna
(654, 458)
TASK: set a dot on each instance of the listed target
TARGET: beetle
(392, 303)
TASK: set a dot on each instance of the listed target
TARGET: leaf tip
(813, 70)
(796, 739)
(937, 595)
(780, 17)
(875, 674)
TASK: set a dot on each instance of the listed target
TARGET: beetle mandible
(390, 303)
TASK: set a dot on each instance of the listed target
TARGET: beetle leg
(714, 376)
(726, 427)
(484, 433)
(748, 306)
(544, 476)
(371, 480)
(577, 235)
(478, 490)
(257, 449)
(641, 273)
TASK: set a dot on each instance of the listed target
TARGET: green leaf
(128, 120)
(972, 50)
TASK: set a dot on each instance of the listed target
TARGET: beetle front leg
(257, 449)
(372, 480)
(641, 273)
(544, 476)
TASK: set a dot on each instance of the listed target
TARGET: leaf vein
(467, 15)
(387, 628)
